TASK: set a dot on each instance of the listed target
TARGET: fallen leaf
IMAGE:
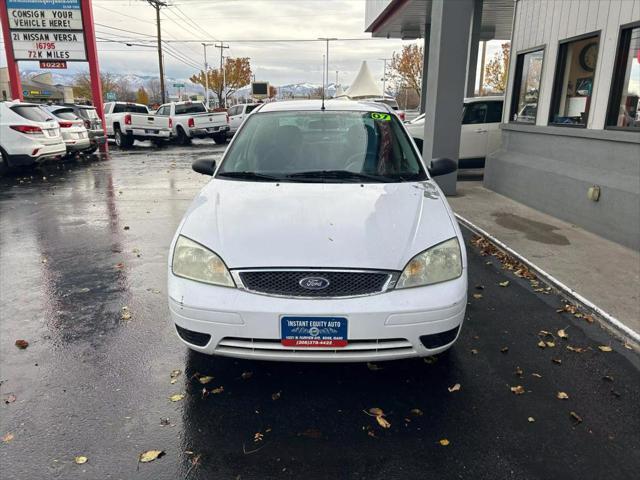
(627, 345)
(519, 371)
(608, 378)
(174, 376)
(119, 266)
(537, 375)
(275, 396)
(505, 283)
(382, 421)
(126, 315)
(615, 394)
(562, 333)
(378, 412)
(7, 438)
(416, 412)
(455, 388)
(541, 344)
(576, 417)
(444, 442)
(504, 349)
(474, 351)
(562, 396)
(518, 389)
(22, 344)
(205, 379)
(177, 397)
(589, 318)
(531, 419)
(373, 367)
(477, 295)
(557, 361)
(218, 390)
(551, 344)
(150, 455)
(126, 227)
(80, 459)
(605, 348)
(164, 422)
(204, 393)
(10, 398)
(246, 375)
(258, 436)
(575, 349)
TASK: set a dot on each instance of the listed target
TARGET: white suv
(321, 237)
(28, 135)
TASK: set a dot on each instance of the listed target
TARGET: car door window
(494, 112)
(474, 113)
(163, 111)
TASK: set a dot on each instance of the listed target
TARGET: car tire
(157, 143)
(220, 139)
(4, 166)
(123, 140)
(183, 138)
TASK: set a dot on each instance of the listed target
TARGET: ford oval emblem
(314, 283)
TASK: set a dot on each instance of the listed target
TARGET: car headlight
(195, 262)
(440, 263)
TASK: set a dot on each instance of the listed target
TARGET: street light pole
(325, 77)
(206, 73)
(384, 75)
(222, 46)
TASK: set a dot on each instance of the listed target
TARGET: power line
(198, 27)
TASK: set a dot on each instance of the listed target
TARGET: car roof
(330, 105)
(488, 98)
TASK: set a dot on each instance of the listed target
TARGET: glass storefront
(624, 108)
(528, 74)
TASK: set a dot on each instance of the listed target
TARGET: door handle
(481, 130)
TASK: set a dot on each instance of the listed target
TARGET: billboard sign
(46, 30)
(44, 14)
(260, 89)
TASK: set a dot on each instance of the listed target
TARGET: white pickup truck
(192, 120)
(127, 122)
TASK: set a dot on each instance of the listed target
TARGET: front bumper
(387, 326)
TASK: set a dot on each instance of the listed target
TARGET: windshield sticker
(381, 116)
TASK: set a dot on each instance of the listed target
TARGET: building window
(624, 107)
(573, 84)
(526, 87)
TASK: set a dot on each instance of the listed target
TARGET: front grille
(340, 283)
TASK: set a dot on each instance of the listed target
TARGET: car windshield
(186, 108)
(328, 147)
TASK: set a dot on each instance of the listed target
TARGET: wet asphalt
(82, 240)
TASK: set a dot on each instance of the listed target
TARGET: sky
(247, 26)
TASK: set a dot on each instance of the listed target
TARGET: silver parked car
(74, 133)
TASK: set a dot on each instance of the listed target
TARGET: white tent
(339, 92)
(364, 85)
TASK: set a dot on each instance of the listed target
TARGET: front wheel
(123, 140)
(220, 139)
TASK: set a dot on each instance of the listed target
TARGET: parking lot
(83, 251)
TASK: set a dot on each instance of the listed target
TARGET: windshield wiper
(259, 177)
(340, 175)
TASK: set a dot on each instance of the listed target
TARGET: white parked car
(238, 113)
(191, 120)
(127, 122)
(321, 237)
(74, 133)
(28, 135)
(480, 132)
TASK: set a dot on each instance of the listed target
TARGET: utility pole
(206, 73)
(325, 77)
(157, 4)
(384, 75)
(222, 46)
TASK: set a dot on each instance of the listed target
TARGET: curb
(607, 320)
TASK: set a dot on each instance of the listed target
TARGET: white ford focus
(321, 237)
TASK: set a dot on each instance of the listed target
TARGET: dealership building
(571, 117)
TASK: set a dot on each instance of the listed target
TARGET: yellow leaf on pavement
(378, 412)
(531, 419)
(455, 388)
(150, 455)
(7, 438)
(518, 389)
(444, 442)
(505, 283)
(562, 333)
(177, 397)
(541, 344)
(382, 421)
(204, 380)
(605, 348)
(562, 395)
(80, 459)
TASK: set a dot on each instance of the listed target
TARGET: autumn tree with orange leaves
(406, 68)
(236, 74)
(496, 71)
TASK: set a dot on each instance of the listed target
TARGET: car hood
(344, 225)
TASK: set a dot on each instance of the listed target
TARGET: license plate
(313, 331)
(150, 131)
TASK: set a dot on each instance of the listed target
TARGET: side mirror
(442, 166)
(204, 166)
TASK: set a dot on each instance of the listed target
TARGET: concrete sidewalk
(604, 272)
